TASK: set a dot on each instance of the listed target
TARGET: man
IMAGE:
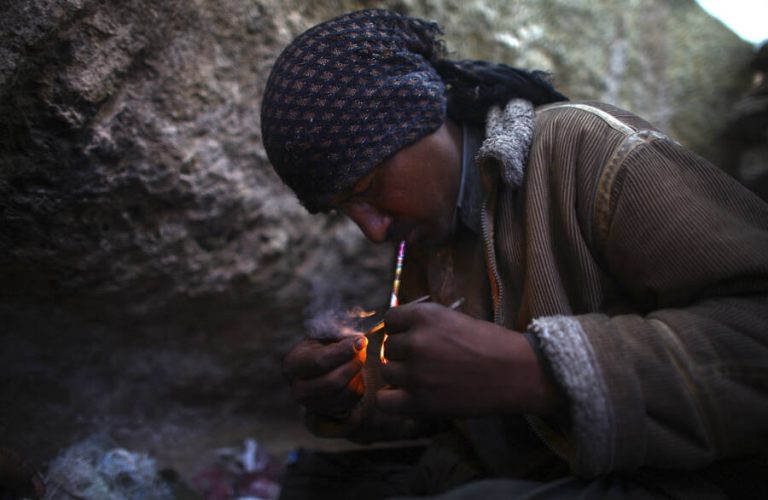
(612, 341)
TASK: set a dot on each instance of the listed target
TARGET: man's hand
(326, 378)
(442, 362)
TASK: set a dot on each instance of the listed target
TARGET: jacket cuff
(563, 342)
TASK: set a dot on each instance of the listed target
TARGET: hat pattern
(346, 95)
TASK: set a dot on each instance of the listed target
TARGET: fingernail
(360, 344)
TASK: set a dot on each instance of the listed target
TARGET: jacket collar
(503, 153)
(508, 137)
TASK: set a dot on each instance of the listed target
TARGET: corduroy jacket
(642, 271)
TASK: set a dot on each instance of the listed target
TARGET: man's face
(412, 195)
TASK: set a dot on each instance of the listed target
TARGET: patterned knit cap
(346, 95)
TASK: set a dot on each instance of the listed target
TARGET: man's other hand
(445, 363)
(326, 378)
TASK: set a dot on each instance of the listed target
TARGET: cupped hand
(326, 378)
(445, 363)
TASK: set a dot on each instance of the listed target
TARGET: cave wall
(153, 270)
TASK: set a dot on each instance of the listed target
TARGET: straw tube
(394, 301)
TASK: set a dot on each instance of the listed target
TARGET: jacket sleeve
(683, 380)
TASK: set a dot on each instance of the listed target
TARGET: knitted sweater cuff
(563, 342)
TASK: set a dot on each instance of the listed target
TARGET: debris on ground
(240, 473)
(97, 468)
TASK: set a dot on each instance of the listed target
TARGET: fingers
(397, 348)
(395, 374)
(407, 316)
(338, 403)
(396, 396)
(329, 385)
(402, 318)
(327, 378)
(399, 319)
(311, 359)
(412, 320)
(395, 400)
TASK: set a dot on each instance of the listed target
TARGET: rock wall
(153, 270)
(745, 135)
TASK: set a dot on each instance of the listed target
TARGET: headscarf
(349, 93)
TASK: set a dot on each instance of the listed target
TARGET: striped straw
(394, 301)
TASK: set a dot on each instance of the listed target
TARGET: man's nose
(372, 222)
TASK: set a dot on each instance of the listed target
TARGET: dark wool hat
(349, 93)
(346, 95)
